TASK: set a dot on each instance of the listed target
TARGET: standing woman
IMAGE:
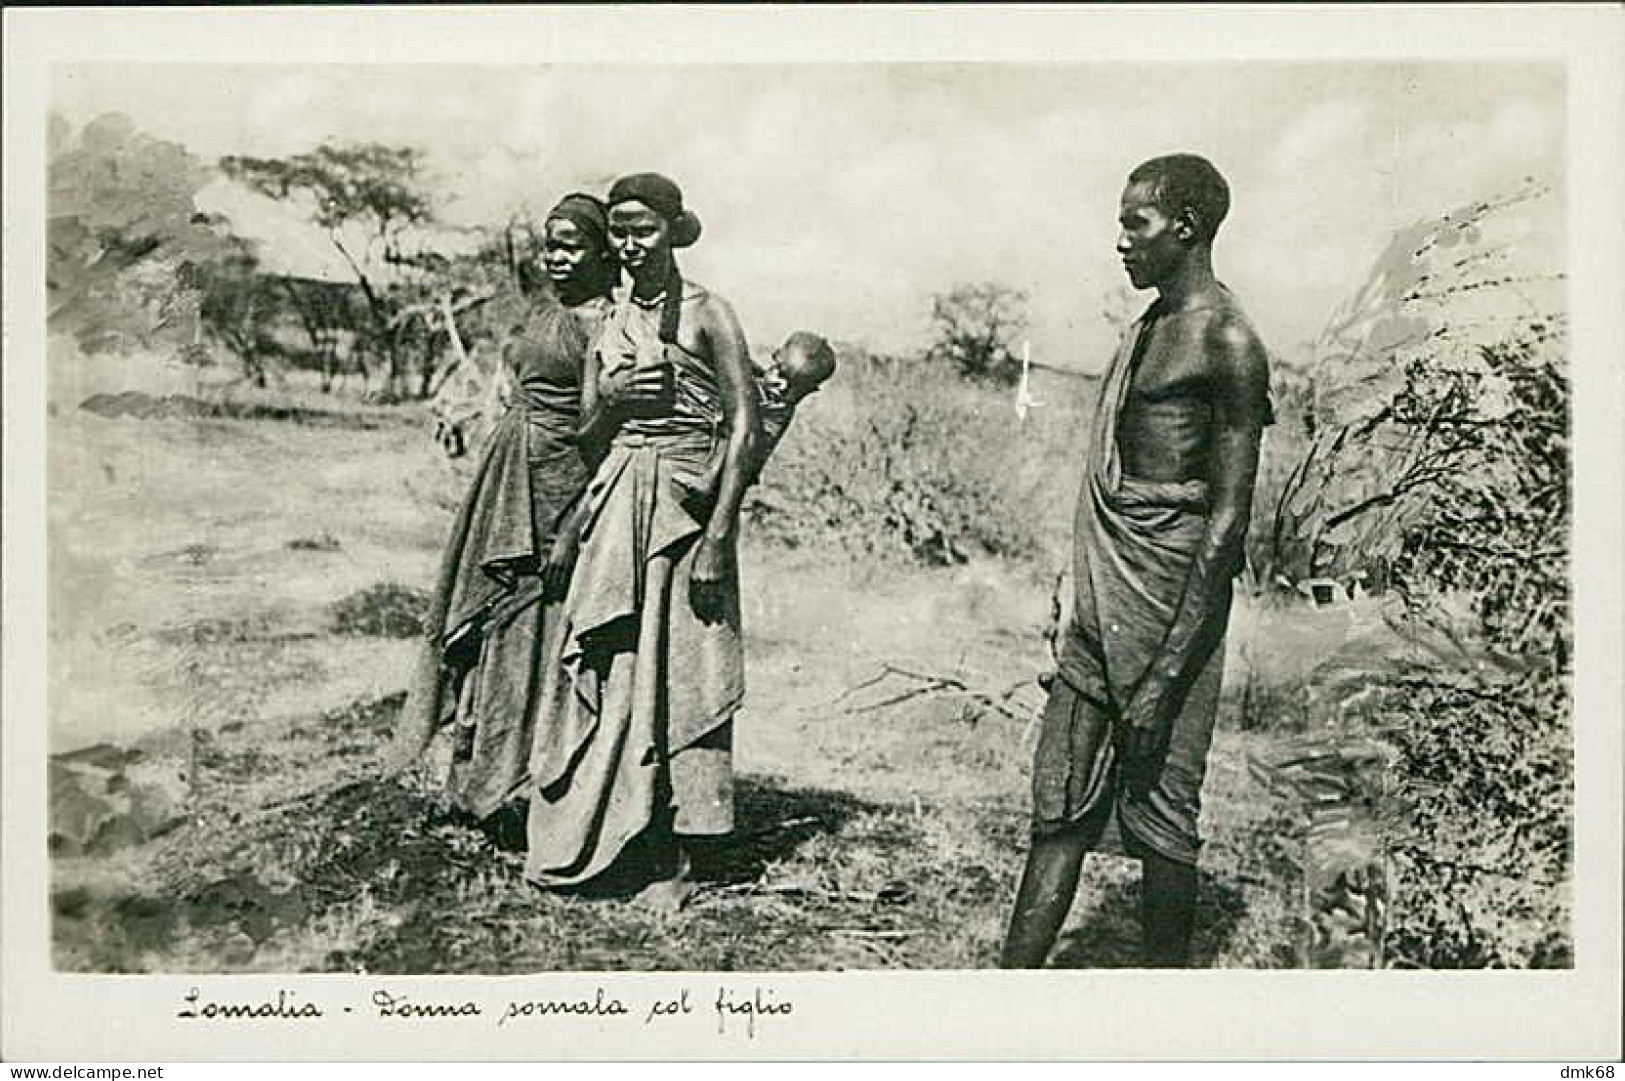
(481, 666)
(636, 741)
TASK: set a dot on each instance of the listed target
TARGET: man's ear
(1186, 224)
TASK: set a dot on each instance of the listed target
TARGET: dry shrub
(385, 610)
(1440, 464)
(902, 460)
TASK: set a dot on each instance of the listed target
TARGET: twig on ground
(864, 685)
(894, 700)
(997, 700)
(289, 803)
(336, 786)
(790, 889)
(787, 824)
(764, 888)
(886, 951)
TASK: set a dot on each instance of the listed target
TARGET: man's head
(1171, 206)
(806, 361)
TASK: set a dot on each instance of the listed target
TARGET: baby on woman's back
(797, 369)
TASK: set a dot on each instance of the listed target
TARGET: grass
(299, 859)
(254, 646)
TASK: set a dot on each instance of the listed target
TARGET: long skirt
(488, 633)
(638, 705)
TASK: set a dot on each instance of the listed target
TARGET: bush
(385, 610)
(1475, 871)
(907, 462)
(977, 326)
(1483, 881)
(1273, 548)
(1485, 739)
(1439, 463)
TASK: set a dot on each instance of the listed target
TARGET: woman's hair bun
(685, 230)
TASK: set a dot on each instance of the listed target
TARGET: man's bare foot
(668, 896)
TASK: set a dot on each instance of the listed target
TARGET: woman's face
(637, 235)
(567, 250)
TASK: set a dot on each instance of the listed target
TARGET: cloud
(840, 197)
(1324, 131)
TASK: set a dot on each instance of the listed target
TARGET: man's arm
(1240, 395)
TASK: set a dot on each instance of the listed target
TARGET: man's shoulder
(1231, 336)
(1237, 360)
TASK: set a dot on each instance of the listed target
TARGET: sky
(840, 198)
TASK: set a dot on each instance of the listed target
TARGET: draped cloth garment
(1134, 540)
(480, 667)
(639, 701)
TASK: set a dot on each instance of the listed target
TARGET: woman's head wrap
(662, 196)
(588, 213)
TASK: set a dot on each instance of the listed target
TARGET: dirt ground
(201, 569)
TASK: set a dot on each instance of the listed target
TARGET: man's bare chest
(1170, 361)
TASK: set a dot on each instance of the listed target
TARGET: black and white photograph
(663, 515)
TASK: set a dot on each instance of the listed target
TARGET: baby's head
(806, 361)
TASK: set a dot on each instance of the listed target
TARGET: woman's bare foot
(667, 896)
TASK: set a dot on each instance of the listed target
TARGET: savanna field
(239, 575)
(236, 596)
(247, 502)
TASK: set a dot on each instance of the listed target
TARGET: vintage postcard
(934, 533)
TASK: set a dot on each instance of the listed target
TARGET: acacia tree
(465, 304)
(467, 313)
(366, 196)
(236, 301)
(976, 327)
(133, 263)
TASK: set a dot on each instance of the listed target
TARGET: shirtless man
(1159, 535)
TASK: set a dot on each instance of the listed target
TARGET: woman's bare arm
(726, 341)
(595, 424)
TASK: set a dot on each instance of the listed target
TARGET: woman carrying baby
(634, 745)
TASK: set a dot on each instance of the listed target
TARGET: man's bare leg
(1050, 880)
(1044, 897)
(1167, 910)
